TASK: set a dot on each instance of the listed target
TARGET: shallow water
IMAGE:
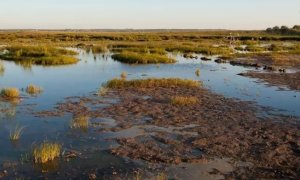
(87, 76)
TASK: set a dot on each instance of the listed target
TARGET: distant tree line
(284, 30)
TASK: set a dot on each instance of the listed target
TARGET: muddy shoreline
(289, 80)
(222, 128)
(215, 127)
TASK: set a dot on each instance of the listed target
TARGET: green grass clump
(80, 122)
(151, 83)
(33, 89)
(40, 55)
(142, 58)
(46, 152)
(16, 134)
(184, 100)
(10, 93)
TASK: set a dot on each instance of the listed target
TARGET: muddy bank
(271, 62)
(221, 128)
(147, 127)
(289, 80)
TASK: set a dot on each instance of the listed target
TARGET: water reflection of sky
(88, 75)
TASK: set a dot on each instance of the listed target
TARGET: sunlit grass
(197, 72)
(33, 89)
(16, 133)
(46, 152)
(161, 176)
(102, 91)
(80, 122)
(124, 75)
(10, 93)
(99, 49)
(40, 55)
(142, 58)
(2, 68)
(184, 100)
(150, 83)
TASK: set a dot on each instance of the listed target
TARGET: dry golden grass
(10, 93)
(80, 122)
(16, 133)
(161, 176)
(184, 100)
(2, 68)
(142, 58)
(152, 83)
(46, 152)
(124, 75)
(33, 90)
(197, 72)
(102, 91)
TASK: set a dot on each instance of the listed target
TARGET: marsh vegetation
(142, 58)
(162, 113)
(46, 151)
(184, 100)
(33, 89)
(2, 68)
(16, 133)
(40, 55)
(150, 83)
(10, 93)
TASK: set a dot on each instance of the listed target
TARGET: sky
(148, 14)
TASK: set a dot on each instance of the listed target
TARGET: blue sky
(147, 14)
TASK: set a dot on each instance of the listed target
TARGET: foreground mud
(148, 128)
(215, 127)
(289, 80)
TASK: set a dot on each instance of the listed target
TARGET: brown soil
(222, 128)
(273, 61)
(290, 80)
(215, 127)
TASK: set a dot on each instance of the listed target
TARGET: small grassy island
(142, 58)
(39, 55)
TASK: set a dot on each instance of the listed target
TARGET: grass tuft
(184, 101)
(33, 90)
(152, 83)
(161, 176)
(124, 75)
(46, 152)
(142, 58)
(2, 68)
(16, 133)
(102, 91)
(197, 72)
(40, 55)
(10, 93)
(80, 122)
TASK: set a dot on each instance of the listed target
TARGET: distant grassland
(142, 46)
